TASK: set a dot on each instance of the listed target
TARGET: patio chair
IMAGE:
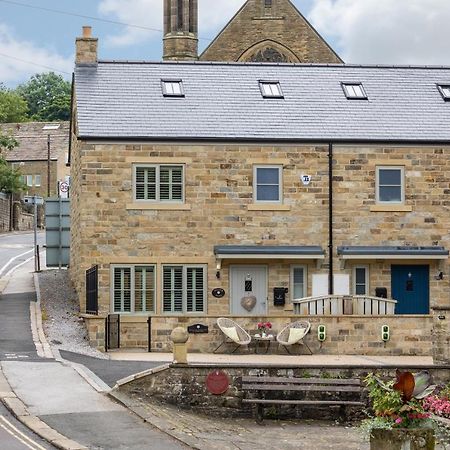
(233, 332)
(294, 333)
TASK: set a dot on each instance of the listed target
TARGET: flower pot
(402, 438)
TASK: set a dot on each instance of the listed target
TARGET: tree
(10, 180)
(47, 96)
(13, 108)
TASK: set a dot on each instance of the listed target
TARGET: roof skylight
(172, 88)
(271, 89)
(444, 89)
(354, 91)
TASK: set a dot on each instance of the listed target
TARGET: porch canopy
(392, 252)
(268, 252)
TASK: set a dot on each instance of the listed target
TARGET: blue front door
(411, 288)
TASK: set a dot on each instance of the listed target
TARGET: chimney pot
(87, 32)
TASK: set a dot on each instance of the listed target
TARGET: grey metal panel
(57, 233)
(268, 250)
(223, 101)
(391, 250)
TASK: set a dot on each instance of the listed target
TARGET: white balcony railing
(337, 305)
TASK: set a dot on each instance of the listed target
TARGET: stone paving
(206, 433)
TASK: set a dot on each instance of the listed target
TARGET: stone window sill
(266, 207)
(391, 208)
(159, 206)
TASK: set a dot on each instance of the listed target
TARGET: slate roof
(223, 102)
(32, 140)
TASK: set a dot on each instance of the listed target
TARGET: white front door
(248, 290)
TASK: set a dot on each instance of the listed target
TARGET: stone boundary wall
(349, 335)
(184, 385)
(5, 213)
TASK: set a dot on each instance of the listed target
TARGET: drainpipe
(330, 219)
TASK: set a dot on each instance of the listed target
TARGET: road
(14, 436)
(16, 248)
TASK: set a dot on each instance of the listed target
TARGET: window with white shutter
(133, 289)
(159, 183)
(184, 289)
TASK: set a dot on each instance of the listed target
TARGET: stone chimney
(180, 42)
(86, 48)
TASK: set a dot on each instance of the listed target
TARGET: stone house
(261, 31)
(31, 157)
(264, 191)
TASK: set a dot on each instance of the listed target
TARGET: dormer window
(172, 88)
(271, 89)
(444, 89)
(354, 91)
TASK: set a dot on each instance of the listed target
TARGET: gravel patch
(64, 329)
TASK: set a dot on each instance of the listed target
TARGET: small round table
(267, 339)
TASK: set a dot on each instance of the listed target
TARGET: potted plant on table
(263, 328)
(400, 419)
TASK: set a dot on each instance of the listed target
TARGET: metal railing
(337, 305)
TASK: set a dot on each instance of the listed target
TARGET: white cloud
(16, 57)
(149, 13)
(386, 31)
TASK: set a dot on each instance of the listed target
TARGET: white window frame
(444, 90)
(185, 267)
(36, 178)
(402, 185)
(270, 89)
(169, 90)
(29, 180)
(305, 280)
(132, 267)
(158, 183)
(350, 92)
(366, 281)
(280, 183)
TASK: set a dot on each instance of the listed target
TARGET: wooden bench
(262, 391)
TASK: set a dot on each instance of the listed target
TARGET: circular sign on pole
(64, 187)
(217, 382)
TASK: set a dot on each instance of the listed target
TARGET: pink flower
(398, 420)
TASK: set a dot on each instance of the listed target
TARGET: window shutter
(122, 290)
(195, 289)
(144, 289)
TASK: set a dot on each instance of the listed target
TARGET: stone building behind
(261, 31)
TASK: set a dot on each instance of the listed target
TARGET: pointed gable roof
(284, 29)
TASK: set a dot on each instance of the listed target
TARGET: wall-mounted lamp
(439, 276)
(218, 267)
(321, 333)
(385, 333)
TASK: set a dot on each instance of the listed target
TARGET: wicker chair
(287, 339)
(233, 333)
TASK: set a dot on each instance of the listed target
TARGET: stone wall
(346, 335)
(109, 228)
(5, 214)
(279, 34)
(185, 387)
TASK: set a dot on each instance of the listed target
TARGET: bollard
(179, 337)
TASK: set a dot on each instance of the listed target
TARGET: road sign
(64, 187)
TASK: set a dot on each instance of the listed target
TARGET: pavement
(48, 395)
(62, 396)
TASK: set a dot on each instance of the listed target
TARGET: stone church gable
(269, 30)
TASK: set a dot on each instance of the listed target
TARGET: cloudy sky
(361, 31)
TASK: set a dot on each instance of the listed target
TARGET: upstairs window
(390, 184)
(354, 91)
(444, 89)
(267, 184)
(271, 89)
(159, 183)
(172, 88)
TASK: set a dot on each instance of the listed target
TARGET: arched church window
(268, 54)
